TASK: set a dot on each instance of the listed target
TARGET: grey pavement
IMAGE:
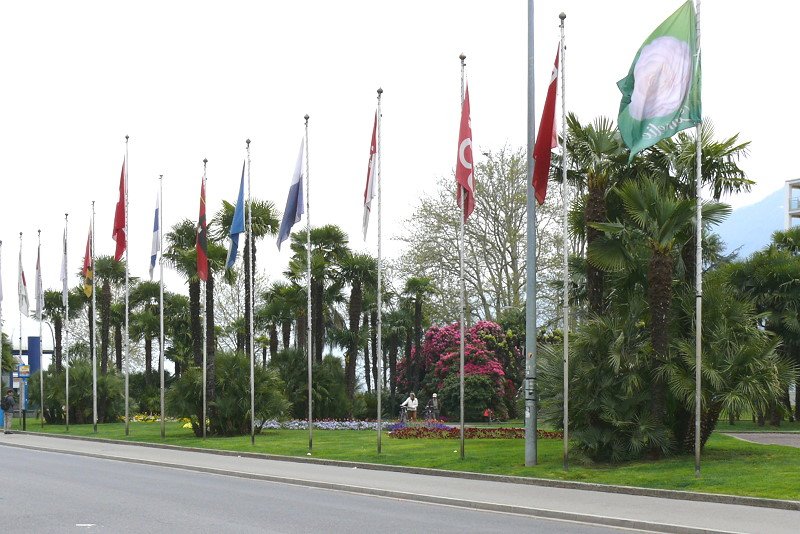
(790, 439)
(637, 512)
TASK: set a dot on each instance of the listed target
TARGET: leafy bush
(110, 395)
(145, 391)
(479, 394)
(328, 387)
(229, 412)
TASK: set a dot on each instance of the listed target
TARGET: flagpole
(204, 326)
(698, 273)
(565, 237)
(379, 356)
(463, 305)
(94, 332)
(127, 340)
(308, 299)
(530, 284)
(161, 298)
(252, 298)
(39, 306)
(21, 382)
(66, 325)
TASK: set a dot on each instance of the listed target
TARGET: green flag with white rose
(661, 94)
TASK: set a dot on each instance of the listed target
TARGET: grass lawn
(747, 425)
(729, 465)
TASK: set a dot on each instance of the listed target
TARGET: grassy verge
(729, 465)
(749, 426)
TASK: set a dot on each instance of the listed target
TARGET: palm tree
(264, 222)
(660, 219)
(54, 312)
(110, 273)
(416, 289)
(182, 255)
(598, 157)
(358, 270)
(145, 321)
(329, 246)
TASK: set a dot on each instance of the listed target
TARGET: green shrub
(328, 384)
(479, 394)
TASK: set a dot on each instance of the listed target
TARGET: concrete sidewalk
(613, 509)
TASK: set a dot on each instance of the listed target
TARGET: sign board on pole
(24, 371)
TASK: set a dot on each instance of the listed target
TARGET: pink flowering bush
(487, 354)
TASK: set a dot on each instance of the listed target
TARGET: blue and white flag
(294, 201)
(237, 225)
(156, 237)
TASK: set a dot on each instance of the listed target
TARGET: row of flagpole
(537, 183)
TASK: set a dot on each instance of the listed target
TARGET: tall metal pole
(698, 311)
(462, 57)
(252, 298)
(565, 237)
(1, 317)
(308, 298)
(205, 325)
(94, 332)
(66, 326)
(21, 382)
(39, 310)
(127, 340)
(530, 283)
(379, 355)
(161, 298)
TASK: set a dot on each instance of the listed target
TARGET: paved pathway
(638, 512)
(790, 439)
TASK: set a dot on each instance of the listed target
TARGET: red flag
(464, 176)
(202, 237)
(545, 139)
(88, 269)
(371, 187)
(119, 217)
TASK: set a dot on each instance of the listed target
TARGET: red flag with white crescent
(546, 139)
(464, 175)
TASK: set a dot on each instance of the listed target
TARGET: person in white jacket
(411, 404)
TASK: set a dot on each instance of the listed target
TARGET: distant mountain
(751, 227)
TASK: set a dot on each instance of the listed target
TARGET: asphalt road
(55, 492)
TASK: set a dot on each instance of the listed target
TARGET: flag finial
(205, 161)
(462, 57)
(306, 118)
(380, 91)
(562, 16)
(248, 143)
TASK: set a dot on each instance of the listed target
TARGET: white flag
(64, 288)
(39, 290)
(156, 239)
(22, 288)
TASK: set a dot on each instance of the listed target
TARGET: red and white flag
(120, 225)
(464, 175)
(546, 138)
(370, 188)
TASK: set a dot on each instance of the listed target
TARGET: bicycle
(403, 414)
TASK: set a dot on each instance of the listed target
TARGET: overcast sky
(193, 80)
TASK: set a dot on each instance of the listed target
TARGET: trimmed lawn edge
(510, 479)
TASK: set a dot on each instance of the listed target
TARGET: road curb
(778, 504)
(542, 513)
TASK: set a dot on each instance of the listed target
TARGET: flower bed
(297, 424)
(440, 431)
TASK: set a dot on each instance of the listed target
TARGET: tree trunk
(595, 278)
(353, 317)
(273, 340)
(148, 358)
(286, 333)
(302, 331)
(659, 296)
(105, 321)
(195, 323)
(393, 368)
(317, 319)
(57, 325)
(375, 355)
(118, 346)
(248, 292)
(365, 326)
(688, 255)
(90, 313)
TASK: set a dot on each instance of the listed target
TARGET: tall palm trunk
(659, 296)
(148, 358)
(273, 339)
(393, 368)
(317, 318)
(195, 324)
(374, 337)
(595, 278)
(248, 291)
(89, 315)
(286, 333)
(353, 316)
(118, 346)
(57, 324)
(105, 321)
(365, 326)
